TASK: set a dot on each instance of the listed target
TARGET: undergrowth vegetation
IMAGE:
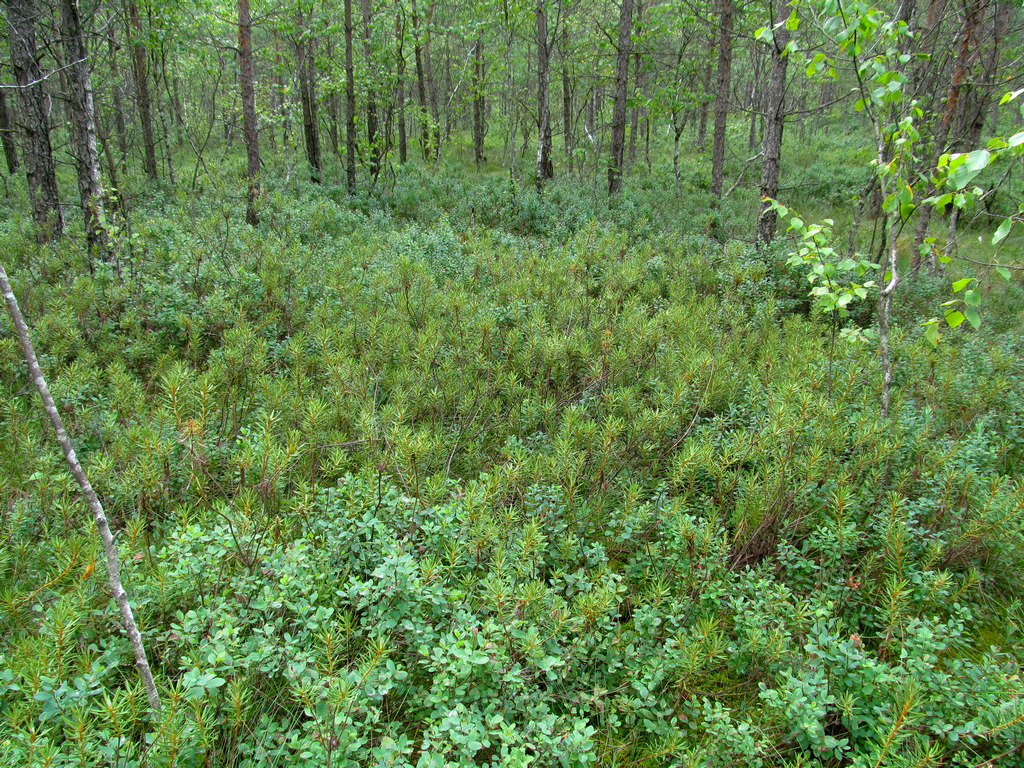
(458, 475)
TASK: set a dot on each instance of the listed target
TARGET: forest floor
(456, 474)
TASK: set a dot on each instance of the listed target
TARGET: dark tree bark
(972, 18)
(479, 103)
(680, 116)
(37, 151)
(165, 136)
(775, 118)
(250, 131)
(619, 99)
(350, 104)
(142, 96)
(118, 96)
(979, 108)
(83, 129)
(421, 87)
(307, 96)
(638, 83)
(281, 94)
(705, 102)
(755, 102)
(7, 135)
(113, 194)
(545, 168)
(403, 138)
(724, 80)
(371, 95)
(428, 71)
(568, 134)
(333, 105)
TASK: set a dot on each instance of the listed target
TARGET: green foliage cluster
(458, 475)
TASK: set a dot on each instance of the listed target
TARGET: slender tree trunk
(109, 544)
(889, 266)
(179, 107)
(705, 102)
(282, 96)
(333, 106)
(1000, 23)
(35, 122)
(619, 100)
(249, 128)
(83, 129)
(307, 95)
(568, 133)
(350, 104)
(373, 141)
(724, 80)
(479, 103)
(967, 39)
(545, 168)
(165, 136)
(638, 82)
(118, 96)
(142, 96)
(421, 88)
(757, 97)
(7, 135)
(428, 71)
(113, 195)
(978, 84)
(775, 118)
(677, 131)
(403, 138)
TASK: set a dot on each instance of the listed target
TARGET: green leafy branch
(836, 281)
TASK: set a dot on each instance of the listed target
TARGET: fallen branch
(109, 546)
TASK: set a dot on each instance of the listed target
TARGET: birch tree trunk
(109, 545)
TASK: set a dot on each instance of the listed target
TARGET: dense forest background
(496, 384)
